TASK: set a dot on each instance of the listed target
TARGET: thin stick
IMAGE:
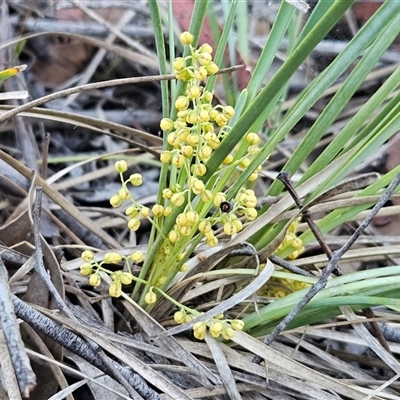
(332, 265)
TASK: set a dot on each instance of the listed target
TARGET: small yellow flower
(150, 298)
(205, 226)
(207, 196)
(199, 336)
(191, 118)
(87, 256)
(173, 236)
(199, 169)
(251, 213)
(121, 166)
(219, 198)
(167, 211)
(228, 159)
(179, 64)
(181, 219)
(166, 124)
(158, 210)
(253, 177)
(187, 151)
(192, 217)
(205, 59)
(131, 212)
(167, 193)
(173, 139)
(115, 289)
(212, 241)
(228, 111)
(145, 212)
(212, 68)
(134, 224)
(126, 278)
(194, 92)
(252, 138)
(116, 200)
(205, 48)
(179, 317)
(229, 228)
(112, 258)
(200, 327)
(136, 179)
(204, 116)
(186, 38)
(185, 230)
(198, 186)
(205, 152)
(207, 96)
(178, 160)
(216, 329)
(193, 139)
(86, 269)
(182, 103)
(183, 268)
(237, 324)
(94, 280)
(137, 256)
(200, 74)
(178, 199)
(227, 332)
(123, 193)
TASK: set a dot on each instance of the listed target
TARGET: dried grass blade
(285, 365)
(223, 368)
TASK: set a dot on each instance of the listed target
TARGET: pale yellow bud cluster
(291, 240)
(91, 268)
(216, 326)
(281, 287)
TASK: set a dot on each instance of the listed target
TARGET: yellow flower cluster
(280, 287)
(91, 268)
(291, 240)
(216, 326)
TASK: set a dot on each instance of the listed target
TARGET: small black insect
(225, 206)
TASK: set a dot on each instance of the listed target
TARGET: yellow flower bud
(200, 327)
(251, 213)
(200, 74)
(182, 103)
(185, 230)
(205, 152)
(166, 124)
(238, 225)
(228, 111)
(115, 289)
(167, 193)
(126, 278)
(87, 256)
(205, 48)
(186, 38)
(115, 201)
(179, 317)
(86, 269)
(137, 256)
(244, 162)
(219, 316)
(215, 329)
(199, 336)
(180, 256)
(198, 186)
(205, 226)
(207, 96)
(192, 217)
(237, 324)
(158, 210)
(227, 332)
(207, 196)
(167, 211)
(229, 228)
(199, 169)
(178, 160)
(121, 166)
(94, 280)
(173, 236)
(173, 139)
(145, 212)
(191, 118)
(187, 151)
(123, 193)
(179, 64)
(178, 199)
(183, 268)
(253, 177)
(181, 220)
(131, 212)
(134, 224)
(250, 201)
(194, 92)
(150, 298)
(193, 139)
(205, 59)
(136, 179)
(228, 159)
(204, 116)
(252, 138)
(212, 68)
(212, 241)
